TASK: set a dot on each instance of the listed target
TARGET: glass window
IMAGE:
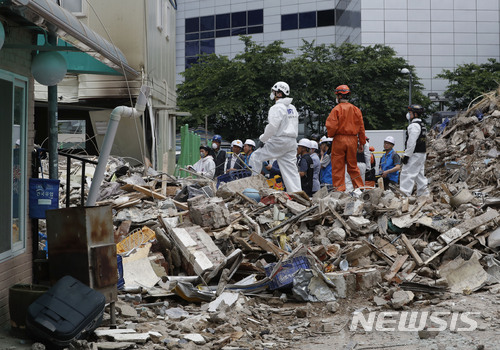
(307, 20)
(192, 36)
(326, 18)
(255, 17)
(192, 25)
(223, 33)
(207, 23)
(207, 46)
(239, 31)
(13, 102)
(190, 61)
(223, 21)
(72, 5)
(255, 29)
(192, 48)
(289, 22)
(207, 35)
(238, 19)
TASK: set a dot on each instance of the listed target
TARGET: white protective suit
(280, 143)
(205, 166)
(363, 168)
(413, 172)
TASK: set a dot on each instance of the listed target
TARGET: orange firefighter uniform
(345, 125)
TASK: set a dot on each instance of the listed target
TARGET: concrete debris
(222, 266)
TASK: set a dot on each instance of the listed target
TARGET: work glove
(405, 160)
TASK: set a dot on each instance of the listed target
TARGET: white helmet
(314, 144)
(237, 143)
(390, 139)
(249, 142)
(304, 143)
(281, 86)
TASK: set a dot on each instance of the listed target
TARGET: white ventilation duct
(114, 120)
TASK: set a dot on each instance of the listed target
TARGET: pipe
(107, 144)
(52, 122)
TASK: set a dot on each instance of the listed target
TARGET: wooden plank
(149, 192)
(339, 218)
(267, 246)
(164, 177)
(411, 250)
(180, 205)
(445, 248)
(446, 189)
(468, 225)
(398, 263)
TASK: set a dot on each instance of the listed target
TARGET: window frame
(17, 248)
(83, 13)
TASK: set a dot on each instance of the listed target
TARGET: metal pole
(409, 95)
(206, 130)
(52, 121)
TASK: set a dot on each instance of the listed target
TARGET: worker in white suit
(280, 138)
(414, 156)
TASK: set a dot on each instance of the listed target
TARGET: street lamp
(407, 71)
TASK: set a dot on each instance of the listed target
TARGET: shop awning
(49, 16)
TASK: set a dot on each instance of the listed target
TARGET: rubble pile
(226, 271)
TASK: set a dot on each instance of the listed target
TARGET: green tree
(469, 81)
(233, 93)
(373, 74)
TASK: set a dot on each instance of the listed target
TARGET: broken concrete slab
(464, 276)
(208, 212)
(400, 298)
(198, 248)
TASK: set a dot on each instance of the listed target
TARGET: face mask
(214, 145)
(408, 116)
(337, 100)
(202, 154)
(271, 96)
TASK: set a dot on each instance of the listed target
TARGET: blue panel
(239, 31)
(192, 25)
(207, 35)
(192, 36)
(192, 48)
(307, 20)
(239, 19)
(223, 21)
(208, 46)
(255, 17)
(223, 33)
(255, 29)
(289, 22)
(207, 23)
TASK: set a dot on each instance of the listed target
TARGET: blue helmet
(217, 138)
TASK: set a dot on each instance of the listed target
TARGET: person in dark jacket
(235, 160)
(218, 154)
(306, 166)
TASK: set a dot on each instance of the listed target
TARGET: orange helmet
(343, 90)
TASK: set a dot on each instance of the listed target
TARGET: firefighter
(345, 125)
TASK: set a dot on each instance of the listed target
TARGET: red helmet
(343, 90)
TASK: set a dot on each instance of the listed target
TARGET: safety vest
(420, 146)
(387, 163)
(325, 174)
